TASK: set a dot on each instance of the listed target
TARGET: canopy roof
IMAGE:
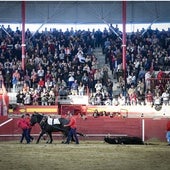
(85, 12)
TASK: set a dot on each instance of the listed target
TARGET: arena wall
(97, 128)
(142, 121)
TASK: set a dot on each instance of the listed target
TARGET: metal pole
(143, 130)
(124, 39)
(23, 35)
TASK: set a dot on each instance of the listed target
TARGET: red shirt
(22, 124)
(27, 119)
(72, 123)
(41, 83)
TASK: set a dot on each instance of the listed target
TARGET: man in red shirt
(72, 131)
(27, 118)
(168, 132)
(22, 123)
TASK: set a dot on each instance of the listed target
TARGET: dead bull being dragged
(124, 140)
(49, 125)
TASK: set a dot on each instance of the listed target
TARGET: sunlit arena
(84, 85)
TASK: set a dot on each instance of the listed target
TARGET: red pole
(124, 37)
(23, 35)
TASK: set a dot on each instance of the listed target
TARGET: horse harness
(43, 121)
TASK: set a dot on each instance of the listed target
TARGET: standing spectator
(72, 132)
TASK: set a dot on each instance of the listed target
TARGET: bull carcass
(124, 140)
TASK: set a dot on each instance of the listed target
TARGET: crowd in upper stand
(59, 63)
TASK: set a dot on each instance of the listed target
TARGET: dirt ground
(88, 155)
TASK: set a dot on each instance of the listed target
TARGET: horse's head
(35, 118)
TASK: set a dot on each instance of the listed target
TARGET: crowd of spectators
(59, 63)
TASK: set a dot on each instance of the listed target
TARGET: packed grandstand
(61, 63)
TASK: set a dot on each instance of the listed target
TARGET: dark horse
(48, 129)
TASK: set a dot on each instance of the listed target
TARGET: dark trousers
(29, 134)
(73, 133)
(25, 134)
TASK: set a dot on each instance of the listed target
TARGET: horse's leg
(63, 138)
(41, 134)
(51, 138)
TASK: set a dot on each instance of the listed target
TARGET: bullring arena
(115, 83)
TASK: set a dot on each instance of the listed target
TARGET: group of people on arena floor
(24, 124)
(60, 63)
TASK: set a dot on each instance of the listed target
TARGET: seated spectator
(63, 92)
(96, 113)
(165, 97)
(149, 98)
(141, 97)
(40, 73)
(20, 97)
(98, 98)
(98, 86)
(157, 99)
(140, 86)
(121, 99)
(70, 80)
(108, 101)
(15, 80)
(92, 99)
(34, 78)
(81, 89)
(74, 88)
(48, 84)
(25, 88)
(27, 98)
(63, 83)
(41, 83)
(147, 80)
(160, 74)
(115, 101)
(81, 56)
(35, 97)
(48, 76)
(51, 97)
(133, 98)
(131, 90)
(109, 86)
(85, 79)
(141, 74)
(44, 97)
(86, 68)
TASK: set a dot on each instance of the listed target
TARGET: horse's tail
(81, 134)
